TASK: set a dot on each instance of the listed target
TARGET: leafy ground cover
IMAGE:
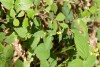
(49, 33)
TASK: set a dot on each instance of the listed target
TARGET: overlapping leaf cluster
(49, 33)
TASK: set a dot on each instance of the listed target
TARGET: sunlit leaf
(85, 13)
(37, 2)
(12, 13)
(54, 7)
(22, 32)
(40, 34)
(49, 2)
(21, 14)
(51, 14)
(26, 64)
(70, 16)
(1, 49)
(23, 4)
(60, 17)
(97, 2)
(55, 26)
(80, 24)
(64, 25)
(8, 52)
(65, 10)
(93, 9)
(10, 38)
(36, 22)
(2, 36)
(98, 34)
(8, 4)
(51, 32)
(25, 23)
(41, 52)
(44, 63)
(76, 63)
(16, 22)
(90, 61)
(30, 13)
(48, 8)
(48, 42)
(35, 42)
(81, 43)
(53, 64)
(49, 24)
(98, 45)
(60, 37)
(18, 63)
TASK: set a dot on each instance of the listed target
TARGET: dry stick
(18, 51)
(93, 39)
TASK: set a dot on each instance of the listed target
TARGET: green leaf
(3, 63)
(51, 32)
(2, 36)
(1, 49)
(49, 24)
(48, 42)
(64, 25)
(98, 45)
(48, 8)
(44, 63)
(19, 63)
(23, 4)
(80, 24)
(26, 64)
(12, 13)
(8, 4)
(67, 4)
(85, 13)
(16, 22)
(8, 51)
(97, 3)
(55, 26)
(76, 63)
(93, 9)
(25, 23)
(60, 17)
(35, 42)
(39, 34)
(8, 17)
(60, 37)
(10, 38)
(90, 61)
(54, 7)
(41, 52)
(49, 2)
(0, 13)
(21, 14)
(51, 14)
(53, 64)
(81, 43)
(52, 59)
(98, 15)
(30, 13)
(70, 16)
(98, 34)
(37, 2)
(36, 22)
(22, 32)
(65, 10)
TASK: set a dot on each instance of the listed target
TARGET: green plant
(49, 33)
